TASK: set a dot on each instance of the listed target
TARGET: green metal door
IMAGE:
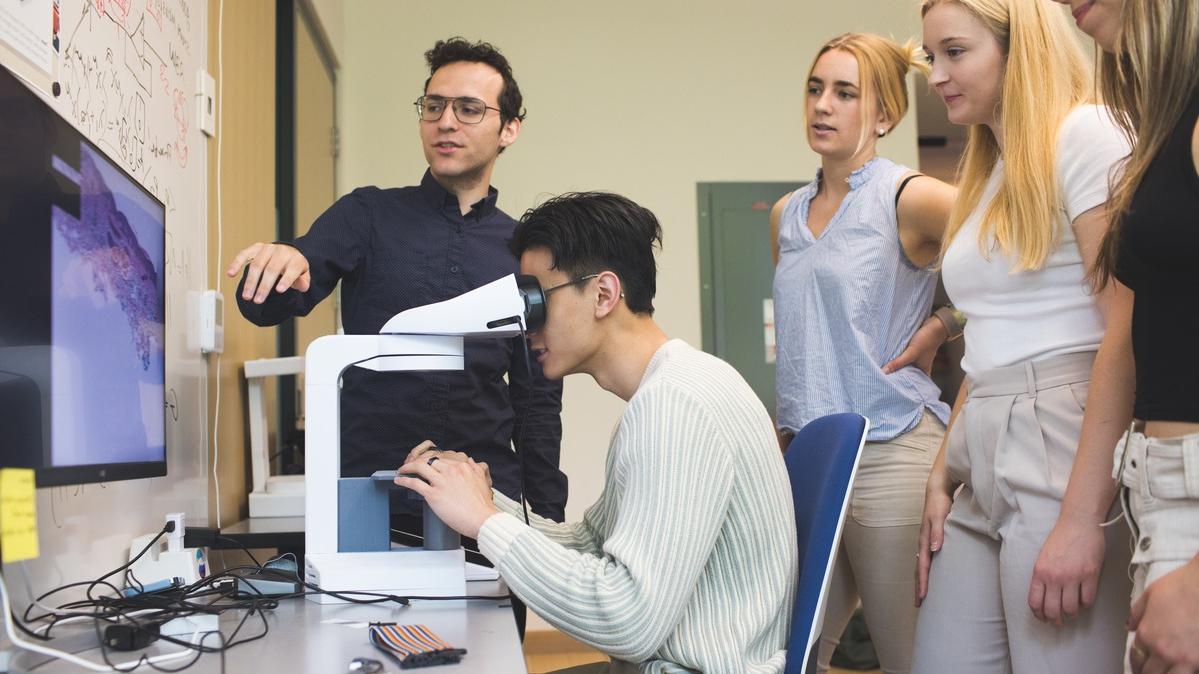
(736, 275)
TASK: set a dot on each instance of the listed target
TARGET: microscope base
(402, 572)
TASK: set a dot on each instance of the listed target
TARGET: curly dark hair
(458, 49)
(589, 232)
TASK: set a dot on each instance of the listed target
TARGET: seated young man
(688, 560)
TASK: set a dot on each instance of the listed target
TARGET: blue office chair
(821, 461)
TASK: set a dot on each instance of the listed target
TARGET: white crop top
(1013, 316)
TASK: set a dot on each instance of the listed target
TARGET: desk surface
(300, 641)
(265, 525)
(284, 533)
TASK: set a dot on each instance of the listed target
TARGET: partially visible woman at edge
(1041, 400)
(1148, 75)
(855, 276)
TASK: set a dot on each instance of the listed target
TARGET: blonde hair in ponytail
(1045, 77)
(883, 65)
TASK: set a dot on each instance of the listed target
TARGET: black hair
(459, 49)
(589, 232)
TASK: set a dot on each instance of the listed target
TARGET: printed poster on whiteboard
(26, 26)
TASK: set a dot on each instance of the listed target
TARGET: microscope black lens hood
(530, 291)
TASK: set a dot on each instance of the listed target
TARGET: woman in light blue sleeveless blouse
(855, 277)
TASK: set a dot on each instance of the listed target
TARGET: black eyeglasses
(588, 277)
(467, 110)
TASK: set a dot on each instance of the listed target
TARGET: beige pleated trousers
(875, 561)
(1012, 446)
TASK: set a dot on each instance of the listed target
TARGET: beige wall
(642, 98)
(330, 16)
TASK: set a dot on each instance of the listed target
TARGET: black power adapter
(129, 637)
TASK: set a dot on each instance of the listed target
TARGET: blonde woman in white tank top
(1009, 579)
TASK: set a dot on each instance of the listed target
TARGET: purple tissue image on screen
(107, 320)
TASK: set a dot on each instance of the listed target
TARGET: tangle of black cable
(214, 594)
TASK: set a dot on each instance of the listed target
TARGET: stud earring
(882, 132)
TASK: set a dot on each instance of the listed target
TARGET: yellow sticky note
(18, 515)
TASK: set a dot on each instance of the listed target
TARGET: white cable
(29, 589)
(42, 629)
(216, 455)
(220, 135)
(71, 657)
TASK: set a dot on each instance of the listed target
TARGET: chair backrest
(821, 462)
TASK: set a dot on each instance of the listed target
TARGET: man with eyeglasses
(394, 249)
(688, 560)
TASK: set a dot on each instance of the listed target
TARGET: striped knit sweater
(688, 560)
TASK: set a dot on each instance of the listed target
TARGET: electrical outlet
(206, 102)
(175, 538)
(210, 322)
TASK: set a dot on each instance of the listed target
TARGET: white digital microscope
(347, 534)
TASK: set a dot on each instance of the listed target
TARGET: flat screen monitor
(82, 359)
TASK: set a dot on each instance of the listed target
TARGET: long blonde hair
(1148, 83)
(1045, 77)
(883, 66)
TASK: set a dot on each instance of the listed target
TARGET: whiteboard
(126, 71)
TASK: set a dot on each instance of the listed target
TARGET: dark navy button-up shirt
(394, 249)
